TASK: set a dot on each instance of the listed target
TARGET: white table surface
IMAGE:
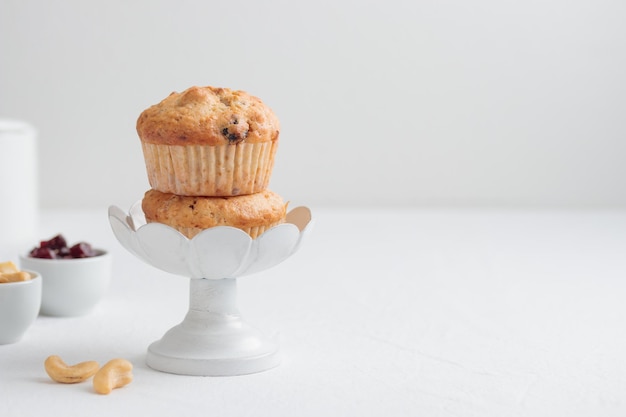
(382, 312)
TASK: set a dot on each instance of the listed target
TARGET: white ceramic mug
(18, 187)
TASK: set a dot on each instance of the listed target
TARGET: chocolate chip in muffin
(234, 137)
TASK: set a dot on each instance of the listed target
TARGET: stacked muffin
(209, 155)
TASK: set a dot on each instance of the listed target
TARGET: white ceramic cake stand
(213, 339)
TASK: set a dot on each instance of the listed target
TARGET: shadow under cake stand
(213, 339)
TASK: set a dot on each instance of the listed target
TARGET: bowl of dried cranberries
(74, 277)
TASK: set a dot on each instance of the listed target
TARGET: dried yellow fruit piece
(14, 276)
(8, 267)
(9, 272)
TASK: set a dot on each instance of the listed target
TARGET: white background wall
(404, 102)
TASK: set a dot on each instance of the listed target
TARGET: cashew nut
(59, 371)
(114, 374)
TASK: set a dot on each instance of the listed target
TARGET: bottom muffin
(252, 213)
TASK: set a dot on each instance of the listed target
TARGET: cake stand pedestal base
(213, 339)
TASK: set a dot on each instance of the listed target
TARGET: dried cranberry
(57, 242)
(43, 253)
(82, 250)
(56, 248)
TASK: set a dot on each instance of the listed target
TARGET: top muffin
(208, 116)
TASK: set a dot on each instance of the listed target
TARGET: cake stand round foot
(213, 339)
(227, 366)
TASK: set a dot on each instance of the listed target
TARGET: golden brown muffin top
(208, 116)
(242, 211)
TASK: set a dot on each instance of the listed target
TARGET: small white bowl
(71, 287)
(19, 307)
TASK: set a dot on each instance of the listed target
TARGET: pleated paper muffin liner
(201, 170)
